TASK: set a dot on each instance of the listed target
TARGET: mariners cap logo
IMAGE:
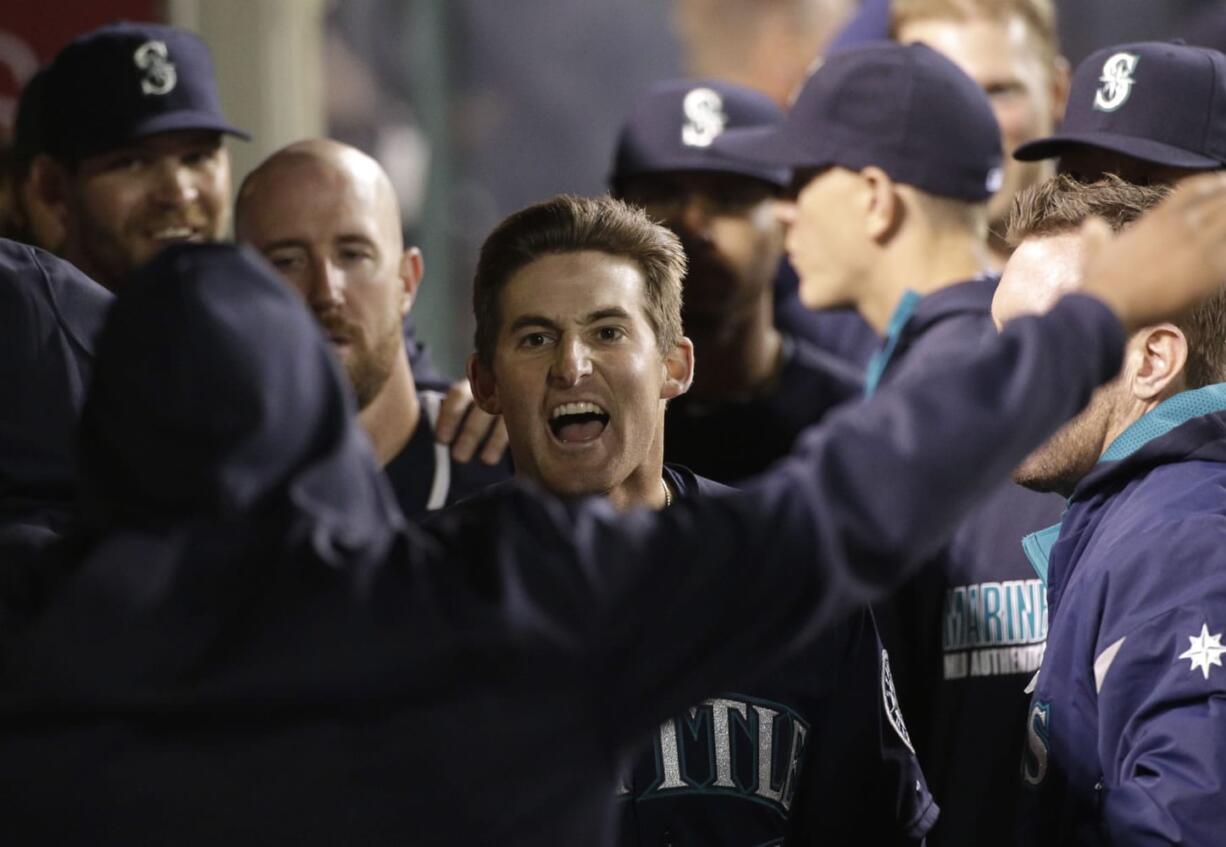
(159, 75)
(1116, 82)
(705, 118)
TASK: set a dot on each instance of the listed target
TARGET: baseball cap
(674, 124)
(28, 124)
(125, 81)
(1162, 102)
(903, 108)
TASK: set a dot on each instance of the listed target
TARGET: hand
(463, 425)
(1171, 259)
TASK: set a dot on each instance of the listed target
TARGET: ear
(884, 209)
(412, 269)
(49, 182)
(1060, 75)
(484, 386)
(1159, 354)
(678, 369)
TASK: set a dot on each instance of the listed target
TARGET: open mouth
(578, 423)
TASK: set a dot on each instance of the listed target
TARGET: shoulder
(805, 362)
(686, 483)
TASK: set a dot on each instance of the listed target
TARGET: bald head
(327, 167)
(325, 215)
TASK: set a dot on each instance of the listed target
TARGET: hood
(50, 314)
(215, 397)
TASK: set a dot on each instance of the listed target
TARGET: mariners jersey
(815, 752)
(251, 645)
(1126, 737)
(423, 474)
(968, 633)
(733, 440)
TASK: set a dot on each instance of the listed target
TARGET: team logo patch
(159, 75)
(1116, 82)
(705, 118)
(1206, 650)
(889, 697)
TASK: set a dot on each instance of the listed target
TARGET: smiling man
(132, 147)
(580, 347)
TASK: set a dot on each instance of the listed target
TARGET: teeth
(577, 409)
(173, 232)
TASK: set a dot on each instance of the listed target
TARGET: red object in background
(31, 33)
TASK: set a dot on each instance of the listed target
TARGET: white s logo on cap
(159, 76)
(704, 117)
(1116, 82)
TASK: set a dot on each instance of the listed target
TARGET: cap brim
(771, 146)
(1145, 149)
(186, 120)
(779, 177)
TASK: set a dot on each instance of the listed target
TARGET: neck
(924, 265)
(391, 418)
(71, 252)
(740, 354)
(999, 252)
(643, 488)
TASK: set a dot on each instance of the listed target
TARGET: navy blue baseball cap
(903, 108)
(1159, 102)
(673, 127)
(125, 81)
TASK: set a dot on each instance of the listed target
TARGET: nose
(326, 284)
(572, 362)
(785, 211)
(694, 213)
(175, 182)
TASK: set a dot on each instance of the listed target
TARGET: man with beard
(119, 152)
(1151, 113)
(579, 347)
(129, 153)
(758, 388)
(325, 215)
(1126, 736)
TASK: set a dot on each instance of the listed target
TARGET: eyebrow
(527, 321)
(283, 243)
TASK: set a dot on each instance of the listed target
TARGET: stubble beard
(370, 366)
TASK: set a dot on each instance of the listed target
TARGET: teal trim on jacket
(898, 322)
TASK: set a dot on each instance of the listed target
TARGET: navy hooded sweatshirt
(1126, 737)
(49, 315)
(249, 646)
(966, 634)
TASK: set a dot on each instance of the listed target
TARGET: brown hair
(1062, 204)
(1039, 16)
(569, 224)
